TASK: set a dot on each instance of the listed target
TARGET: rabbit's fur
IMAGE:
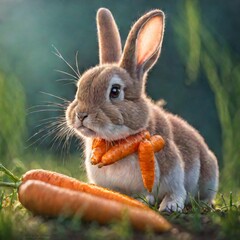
(185, 167)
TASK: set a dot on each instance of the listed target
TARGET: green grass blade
(9, 184)
(9, 173)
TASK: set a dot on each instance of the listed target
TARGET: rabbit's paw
(150, 199)
(170, 205)
(147, 199)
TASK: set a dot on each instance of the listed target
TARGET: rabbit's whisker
(52, 95)
(67, 80)
(76, 63)
(45, 110)
(58, 54)
(49, 126)
(58, 137)
(45, 123)
(64, 105)
(42, 138)
(52, 118)
(45, 105)
(69, 83)
(66, 73)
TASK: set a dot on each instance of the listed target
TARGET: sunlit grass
(221, 68)
(12, 112)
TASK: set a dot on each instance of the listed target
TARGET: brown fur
(110, 49)
(129, 57)
(185, 151)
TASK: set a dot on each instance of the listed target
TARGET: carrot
(123, 148)
(146, 162)
(99, 148)
(97, 142)
(157, 143)
(66, 182)
(47, 196)
(128, 146)
(48, 200)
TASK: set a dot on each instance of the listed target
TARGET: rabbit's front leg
(172, 190)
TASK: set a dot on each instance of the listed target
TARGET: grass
(207, 55)
(198, 221)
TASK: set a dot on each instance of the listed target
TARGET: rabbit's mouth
(112, 132)
(87, 132)
(109, 132)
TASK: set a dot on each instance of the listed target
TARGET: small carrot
(63, 181)
(99, 148)
(146, 162)
(48, 200)
(123, 148)
(157, 143)
(97, 142)
(130, 145)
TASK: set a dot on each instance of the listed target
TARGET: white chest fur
(124, 175)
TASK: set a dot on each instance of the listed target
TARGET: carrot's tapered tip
(147, 134)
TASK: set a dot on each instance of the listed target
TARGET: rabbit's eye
(115, 91)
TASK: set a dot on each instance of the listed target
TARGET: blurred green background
(198, 73)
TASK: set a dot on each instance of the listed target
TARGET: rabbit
(111, 103)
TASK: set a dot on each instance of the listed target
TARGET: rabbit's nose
(81, 116)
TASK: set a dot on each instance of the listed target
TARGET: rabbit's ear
(143, 44)
(110, 49)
